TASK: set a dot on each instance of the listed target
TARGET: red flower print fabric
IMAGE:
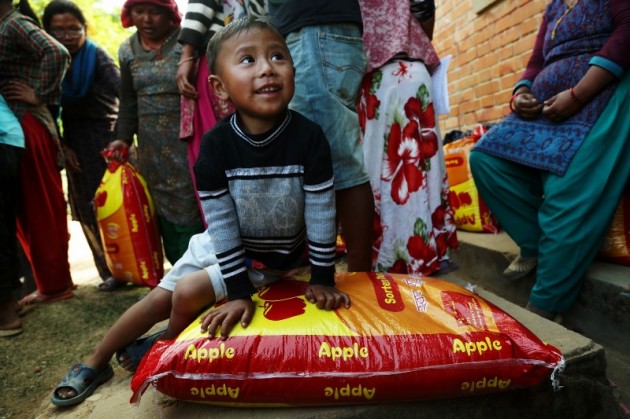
(414, 226)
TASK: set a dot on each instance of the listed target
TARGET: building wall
(490, 50)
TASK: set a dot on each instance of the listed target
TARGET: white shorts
(201, 256)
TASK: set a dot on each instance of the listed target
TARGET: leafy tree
(103, 23)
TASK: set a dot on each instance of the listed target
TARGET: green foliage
(103, 22)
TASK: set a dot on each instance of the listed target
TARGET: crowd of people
(266, 128)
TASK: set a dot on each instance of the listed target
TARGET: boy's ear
(217, 85)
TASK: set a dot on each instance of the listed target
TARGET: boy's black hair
(234, 28)
(57, 7)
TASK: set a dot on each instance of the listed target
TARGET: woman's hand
(184, 75)
(526, 106)
(71, 160)
(21, 92)
(561, 106)
(226, 316)
(325, 297)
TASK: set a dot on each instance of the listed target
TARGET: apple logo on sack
(283, 299)
(100, 199)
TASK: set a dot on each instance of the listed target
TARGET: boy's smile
(255, 71)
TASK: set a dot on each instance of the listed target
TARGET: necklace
(151, 46)
(566, 11)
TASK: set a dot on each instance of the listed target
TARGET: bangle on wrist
(574, 97)
(513, 99)
(186, 59)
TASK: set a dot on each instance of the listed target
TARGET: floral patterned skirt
(414, 225)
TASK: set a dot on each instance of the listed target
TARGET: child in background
(266, 185)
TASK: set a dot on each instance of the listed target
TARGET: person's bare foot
(10, 322)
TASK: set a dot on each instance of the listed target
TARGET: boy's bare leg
(134, 322)
(355, 211)
(192, 294)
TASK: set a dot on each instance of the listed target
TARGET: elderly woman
(150, 109)
(89, 100)
(32, 66)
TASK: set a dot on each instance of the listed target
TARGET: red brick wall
(489, 50)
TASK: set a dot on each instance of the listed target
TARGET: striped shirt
(204, 18)
(29, 55)
(267, 197)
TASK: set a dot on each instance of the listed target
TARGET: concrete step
(483, 257)
(600, 313)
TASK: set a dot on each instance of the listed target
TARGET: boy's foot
(79, 384)
(520, 267)
(130, 356)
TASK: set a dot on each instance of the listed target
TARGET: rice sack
(616, 245)
(404, 338)
(128, 226)
(470, 212)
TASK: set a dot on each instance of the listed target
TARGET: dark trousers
(9, 187)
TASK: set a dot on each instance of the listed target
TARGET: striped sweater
(203, 18)
(267, 197)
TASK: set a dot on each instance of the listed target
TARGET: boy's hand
(326, 297)
(119, 151)
(226, 316)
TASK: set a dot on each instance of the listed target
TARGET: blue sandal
(137, 349)
(84, 381)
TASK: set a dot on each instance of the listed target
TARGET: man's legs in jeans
(330, 63)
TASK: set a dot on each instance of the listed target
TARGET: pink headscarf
(169, 5)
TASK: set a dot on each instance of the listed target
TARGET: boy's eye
(277, 57)
(247, 59)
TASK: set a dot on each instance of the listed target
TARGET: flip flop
(111, 284)
(84, 381)
(5, 333)
(37, 297)
(137, 349)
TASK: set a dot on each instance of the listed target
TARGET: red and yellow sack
(128, 225)
(471, 214)
(404, 338)
(616, 246)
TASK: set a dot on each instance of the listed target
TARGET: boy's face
(255, 71)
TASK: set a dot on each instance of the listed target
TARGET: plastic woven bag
(471, 213)
(404, 338)
(128, 225)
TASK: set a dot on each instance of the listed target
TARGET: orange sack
(128, 226)
(616, 246)
(404, 338)
(470, 212)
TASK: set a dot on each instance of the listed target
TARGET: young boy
(265, 181)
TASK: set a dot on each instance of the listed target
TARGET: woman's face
(68, 30)
(152, 22)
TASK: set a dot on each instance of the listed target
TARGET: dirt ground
(55, 336)
(58, 335)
